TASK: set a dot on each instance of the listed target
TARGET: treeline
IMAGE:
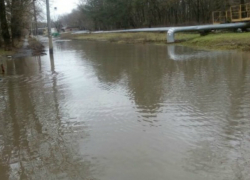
(16, 16)
(120, 14)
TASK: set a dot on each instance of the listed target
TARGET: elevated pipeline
(172, 31)
(160, 29)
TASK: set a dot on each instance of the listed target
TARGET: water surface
(106, 111)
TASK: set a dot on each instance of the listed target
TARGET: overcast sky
(64, 6)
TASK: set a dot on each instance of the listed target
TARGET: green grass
(13, 51)
(6, 53)
(121, 37)
(240, 41)
(223, 40)
(127, 37)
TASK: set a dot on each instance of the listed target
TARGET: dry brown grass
(6, 53)
(13, 50)
(36, 46)
(224, 40)
(125, 37)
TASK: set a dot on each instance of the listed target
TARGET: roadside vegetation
(15, 20)
(140, 37)
(222, 40)
(36, 46)
(6, 53)
(11, 51)
(98, 15)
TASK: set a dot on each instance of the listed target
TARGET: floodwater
(104, 111)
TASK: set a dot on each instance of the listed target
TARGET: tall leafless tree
(4, 26)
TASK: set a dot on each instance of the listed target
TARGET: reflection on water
(116, 111)
(38, 140)
(180, 53)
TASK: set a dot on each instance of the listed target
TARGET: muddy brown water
(103, 111)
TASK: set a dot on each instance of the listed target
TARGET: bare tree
(116, 14)
(4, 26)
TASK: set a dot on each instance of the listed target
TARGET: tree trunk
(4, 26)
(16, 21)
(35, 18)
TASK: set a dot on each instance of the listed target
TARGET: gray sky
(64, 6)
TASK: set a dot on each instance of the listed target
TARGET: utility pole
(49, 28)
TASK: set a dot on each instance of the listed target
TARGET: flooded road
(103, 111)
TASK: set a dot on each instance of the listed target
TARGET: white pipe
(137, 30)
(172, 31)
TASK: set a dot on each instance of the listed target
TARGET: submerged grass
(13, 51)
(6, 53)
(35, 45)
(223, 40)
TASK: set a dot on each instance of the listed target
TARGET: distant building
(40, 31)
(45, 31)
(70, 29)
